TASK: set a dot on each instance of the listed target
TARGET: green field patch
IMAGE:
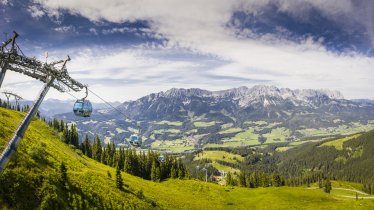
(173, 123)
(224, 168)
(246, 135)
(282, 149)
(256, 122)
(132, 130)
(161, 131)
(341, 159)
(313, 132)
(233, 143)
(226, 126)
(357, 153)
(120, 130)
(191, 131)
(201, 124)
(219, 155)
(88, 122)
(277, 135)
(178, 145)
(297, 143)
(347, 129)
(230, 130)
(355, 127)
(338, 143)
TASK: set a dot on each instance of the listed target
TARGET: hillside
(31, 178)
(184, 119)
(350, 158)
(31, 181)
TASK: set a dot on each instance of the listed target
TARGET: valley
(89, 185)
(181, 120)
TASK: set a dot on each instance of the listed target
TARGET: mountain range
(217, 116)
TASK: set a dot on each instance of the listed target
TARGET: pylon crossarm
(10, 40)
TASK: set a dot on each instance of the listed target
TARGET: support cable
(111, 105)
(127, 142)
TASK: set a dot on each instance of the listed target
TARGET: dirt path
(352, 190)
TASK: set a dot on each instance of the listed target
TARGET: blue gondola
(135, 140)
(161, 158)
(83, 107)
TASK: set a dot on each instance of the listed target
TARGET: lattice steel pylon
(8, 94)
(49, 73)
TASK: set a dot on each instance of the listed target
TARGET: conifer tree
(242, 179)
(103, 156)
(277, 182)
(121, 161)
(96, 149)
(327, 186)
(61, 126)
(173, 172)
(229, 180)
(119, 179)
(155, 172)
(87, 146)
(63, 173)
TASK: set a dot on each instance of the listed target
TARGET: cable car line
(134, 139)
(111, 105)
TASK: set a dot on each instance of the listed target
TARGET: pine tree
(242, 179)
(87, 147)
(63, 173)
(173, 172)
(96, 149)
(119, 179)
(113, 154)
(252, 180)
(229, 180)
(66, 134)
(121, 161)
(328, 186)
(320, 185)
(277, 182)
(155, 172)
(127, 163)
(103, 156)
(108, 155)
(74, 138)
(61, 126)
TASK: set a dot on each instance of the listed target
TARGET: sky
(125, 49)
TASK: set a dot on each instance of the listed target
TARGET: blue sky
(126, 49)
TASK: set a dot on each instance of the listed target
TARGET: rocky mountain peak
(181, 92)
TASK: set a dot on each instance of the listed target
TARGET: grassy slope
(91, 178)
(220, 155)
(338, 143)
(39, 156)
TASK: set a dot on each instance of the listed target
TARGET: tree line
(148, 165)
(17, 107)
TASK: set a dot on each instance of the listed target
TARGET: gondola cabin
(135, 140)
(82, 108)
(161, 158)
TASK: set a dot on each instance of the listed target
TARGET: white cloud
(93, 30)
(119, 30)
(201, 26)
(4, 2)
(65, 29)
(35, 11)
